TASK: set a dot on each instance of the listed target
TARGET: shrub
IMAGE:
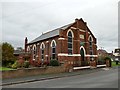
(20, 63)
(15, 65)
(54, 63)
(100, 61)
(39, 63)
(9, 65)
(26, 64)
(107, 58)
(46, 63)
(84, 63)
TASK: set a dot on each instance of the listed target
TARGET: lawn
(5, 69)
(114, 64)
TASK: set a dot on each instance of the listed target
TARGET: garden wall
(32, 71)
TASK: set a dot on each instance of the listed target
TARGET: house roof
(50, 34)
(17, 52)
(102, 51)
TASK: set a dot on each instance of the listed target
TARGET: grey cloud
(31, 19)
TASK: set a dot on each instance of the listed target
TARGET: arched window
(28, 49)
(42, 53)
(42, 47)
(82, 54)
(90, 47)
(70, 42)
(34, 52)
(53, 50)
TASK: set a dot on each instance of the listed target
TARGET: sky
(31, 18)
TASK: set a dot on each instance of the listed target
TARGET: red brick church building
(73, 42)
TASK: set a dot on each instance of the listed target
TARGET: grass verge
(5, 69)
(114, 64)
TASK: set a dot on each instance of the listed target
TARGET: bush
(26, 64)
(9, 65)
(20, 63)
(108, 58)
(54, 63)
(46, 63)
(100, 61)
(84, 63)
(15, 65)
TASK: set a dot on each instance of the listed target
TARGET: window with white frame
(90, 47)
(53, 50)
(34, 53)
(70, 42)
(42, 52)
(28, 49)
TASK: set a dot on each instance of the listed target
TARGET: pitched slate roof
(50, 34)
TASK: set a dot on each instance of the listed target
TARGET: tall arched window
(90, 47)
(34, 52)
(42, 53)
(42, 47)
(70, 42)
(82, 54)
(28, 49)
(53, 50)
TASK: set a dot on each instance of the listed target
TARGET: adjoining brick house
(102, 53)
(73, 42)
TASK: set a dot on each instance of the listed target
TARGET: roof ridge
(56, 29)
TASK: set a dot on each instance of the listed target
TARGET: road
(101, 79)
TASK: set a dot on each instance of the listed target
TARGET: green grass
(5, 69)
(114, 64)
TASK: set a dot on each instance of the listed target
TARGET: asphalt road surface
(101, 79)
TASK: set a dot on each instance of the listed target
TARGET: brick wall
(32, 71)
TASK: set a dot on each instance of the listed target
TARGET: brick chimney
(85, 23)
(76, 19)
(26, 41)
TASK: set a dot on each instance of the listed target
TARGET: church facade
(73, 42)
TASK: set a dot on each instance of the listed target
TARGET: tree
(7, 53)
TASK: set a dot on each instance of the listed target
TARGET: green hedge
(26, 64)
(54, 63)
(15, 65)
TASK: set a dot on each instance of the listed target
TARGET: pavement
(49, 76)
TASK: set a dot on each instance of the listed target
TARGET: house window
(90, 47)
(70, 42)
(34, 53)
(53, 50)
(42, 51)
(28, 49)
